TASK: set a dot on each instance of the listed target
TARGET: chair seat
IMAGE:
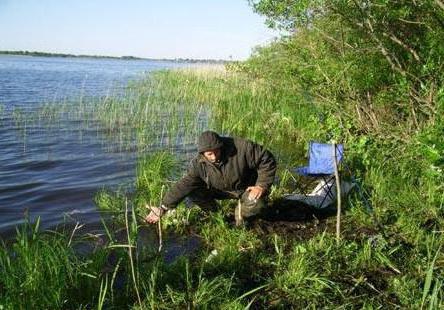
(305, 171)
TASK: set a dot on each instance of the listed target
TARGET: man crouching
(225, 168)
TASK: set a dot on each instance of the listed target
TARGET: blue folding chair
(321, 164)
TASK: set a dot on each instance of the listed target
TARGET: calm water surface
(54, 174)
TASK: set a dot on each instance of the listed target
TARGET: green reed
(392, 258)
(168, 109)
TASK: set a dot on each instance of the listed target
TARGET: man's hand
(255, 192)
(154, 215)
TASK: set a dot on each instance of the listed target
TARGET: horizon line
(123, 57)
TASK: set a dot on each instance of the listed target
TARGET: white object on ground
(320, 197)
(213, 254)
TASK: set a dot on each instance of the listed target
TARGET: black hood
(209, 140)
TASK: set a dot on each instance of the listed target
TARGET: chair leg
(338, 193)
(329, 193)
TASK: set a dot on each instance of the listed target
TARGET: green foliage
(106, 200)
(288, 15)
(241, 106)
(364, 73)
(373, 71)
(377, 63)
(233, 248)
(182, 218)
(35, 270)
(153, 173)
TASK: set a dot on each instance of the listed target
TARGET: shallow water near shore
(53, 172)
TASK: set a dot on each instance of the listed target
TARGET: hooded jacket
(242, 163)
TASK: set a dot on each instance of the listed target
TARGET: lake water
(54, 174)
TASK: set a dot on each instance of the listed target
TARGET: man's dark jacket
(243, 163)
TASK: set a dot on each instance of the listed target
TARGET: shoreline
(63, 55)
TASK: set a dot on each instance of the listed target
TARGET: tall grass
(391, 259)
(168, 109)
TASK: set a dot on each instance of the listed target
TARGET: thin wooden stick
(238, 218)
(159, 228)
(338, 192)
(159, 223)
(130, 254)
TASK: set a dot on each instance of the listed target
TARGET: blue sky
(217, 29)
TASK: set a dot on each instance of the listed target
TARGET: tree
(386, 52)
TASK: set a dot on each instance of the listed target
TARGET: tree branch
(392, 37)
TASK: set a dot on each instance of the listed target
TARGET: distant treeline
(45, 54)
